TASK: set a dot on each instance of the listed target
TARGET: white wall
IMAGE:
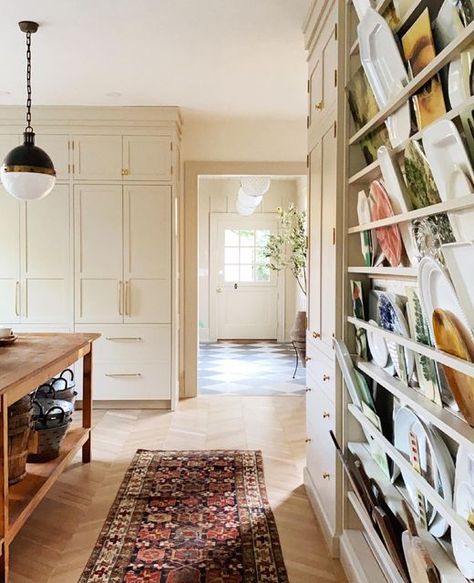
(218, 195)
(231, 139)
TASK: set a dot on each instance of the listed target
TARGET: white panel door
(45, 279)
(10, 302)
(98, 157)
(147, 254)
(147, 157)
(57, 147)
(98, 254)
(243, 291)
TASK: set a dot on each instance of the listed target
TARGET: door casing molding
(189, 250)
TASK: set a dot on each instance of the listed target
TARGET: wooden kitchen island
(24, 365)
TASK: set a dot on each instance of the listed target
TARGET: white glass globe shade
(243, 210)
(255, 185)
(28, 185)
(248, 201)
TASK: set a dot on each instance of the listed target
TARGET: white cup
(6, 332)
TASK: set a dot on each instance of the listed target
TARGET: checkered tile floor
(257, 369)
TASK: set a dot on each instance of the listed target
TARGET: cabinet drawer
(320, 374)
(131, 381)
(127, 343)
(320, 452)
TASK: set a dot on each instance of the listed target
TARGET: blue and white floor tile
(254, 369)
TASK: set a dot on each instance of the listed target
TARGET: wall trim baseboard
(358, 560)
(331, 540)
(163, 404)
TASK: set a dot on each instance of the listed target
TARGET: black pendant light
(28, 172)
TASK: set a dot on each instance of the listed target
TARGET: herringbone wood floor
(56, 542)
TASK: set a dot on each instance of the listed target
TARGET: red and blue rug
(189, 517)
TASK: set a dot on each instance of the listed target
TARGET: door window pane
(231, 255)
(261, 237)
(247, 237)
(262, 273)
(246, 273)
(244, 258)
(231, 273)
(246, 255)
(231, 237)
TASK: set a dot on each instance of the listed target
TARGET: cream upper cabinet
(314, 219)
(147, 254)
(9, 258)
(46, 295)
(58, 148)
(97, 157)
(147, 158)
(98, 254)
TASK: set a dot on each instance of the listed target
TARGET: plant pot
(298, 336)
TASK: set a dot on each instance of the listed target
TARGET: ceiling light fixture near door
(28, 172)
(250, 195)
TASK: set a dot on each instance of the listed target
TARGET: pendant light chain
(28, 83)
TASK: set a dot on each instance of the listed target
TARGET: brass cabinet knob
(319, 106)
(125, 172)
(326, 377)
(326, 476)
(307, 358)
(316, 335)
(308, 440)
(326, 415)
(308, 390)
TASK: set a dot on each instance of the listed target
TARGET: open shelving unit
(358, 176)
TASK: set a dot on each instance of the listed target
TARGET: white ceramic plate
(364, 216)
(452, 172)
(459, 259)
(361, 7)
(347, 368)
(397, 192)
(390, 317)
(385, 71)
(464, 506)
(378, 346)
(435, 462)
(459, 88)
(437, 291)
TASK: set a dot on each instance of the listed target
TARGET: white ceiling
(210, 57)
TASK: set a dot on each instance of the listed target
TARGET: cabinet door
(147, 254)
(328, 237)
(98, 254)
(57, 147)
(316, 103)
(9, 258)
(147, 157)
(98, 157)
(314, 207)
(329, 63)
(46, 278)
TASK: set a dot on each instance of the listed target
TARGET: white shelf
(449, 53)
(446, 206)
(393, 498)
(444, 509)
(438, 416)
(378, 548)
(398, 272)
(458, 364)
(372, 171)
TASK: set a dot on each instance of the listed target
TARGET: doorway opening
(246, 309)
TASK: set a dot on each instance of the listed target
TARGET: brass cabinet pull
(308, 390)
(17, 298)
(326, 377)
(124, 338)
(326, 415)
(326, 476)
(319, 106)
(120, 298)
(127, 299)
(123, 374)
(316, 335)
(307, 358)
(308, 440)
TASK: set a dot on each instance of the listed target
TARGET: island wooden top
(35, 358)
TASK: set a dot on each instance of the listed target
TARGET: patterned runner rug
(189, 517)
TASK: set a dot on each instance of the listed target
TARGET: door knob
(219, 290)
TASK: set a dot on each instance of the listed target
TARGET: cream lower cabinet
(35, 265)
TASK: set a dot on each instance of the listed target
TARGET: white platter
(459, 87)
(364, 216)
(437, 291)
(452, 172)
(434, 454)
(347, 368)
(378, 346)
(361, 7)
(397, 192)
(459, 259)
(385, 71)
(464, 506)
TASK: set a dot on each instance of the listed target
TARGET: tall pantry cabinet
(323, 31)
(98, 253)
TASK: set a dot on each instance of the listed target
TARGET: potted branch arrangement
(288, 249)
